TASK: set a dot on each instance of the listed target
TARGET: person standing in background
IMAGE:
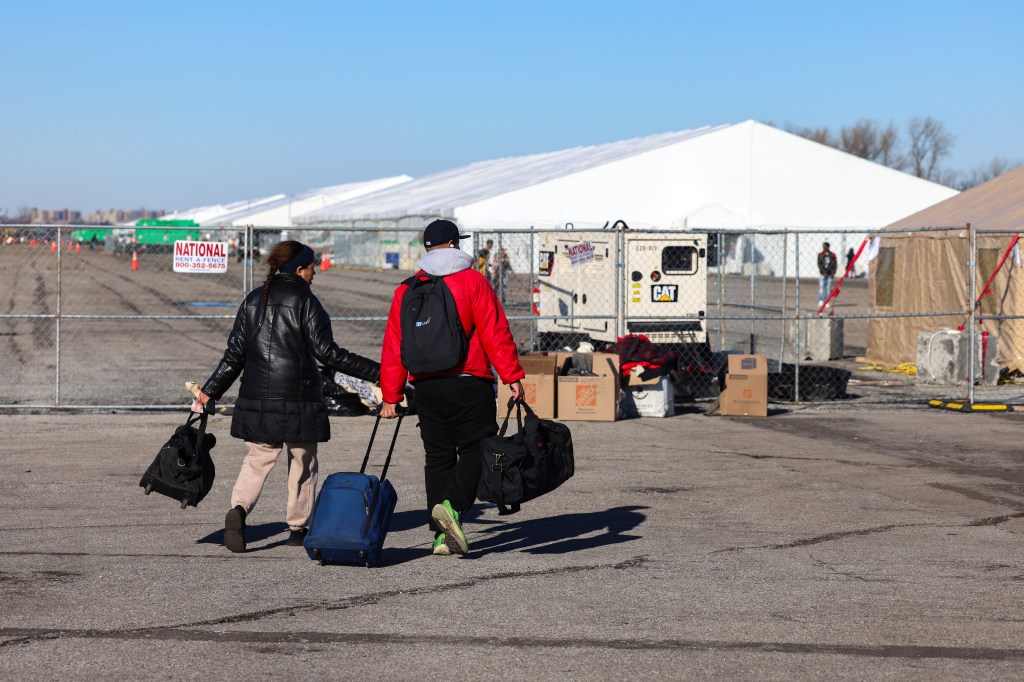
(827, 263)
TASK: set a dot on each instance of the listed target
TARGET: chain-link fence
(104, 318)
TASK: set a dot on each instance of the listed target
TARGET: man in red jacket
(456, 407)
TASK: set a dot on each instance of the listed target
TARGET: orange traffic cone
(78, 247)
(325, 262)
(70, 246)
(53, 246)
(135, 260)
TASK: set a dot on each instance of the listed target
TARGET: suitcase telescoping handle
(391, 450)
(384, 471)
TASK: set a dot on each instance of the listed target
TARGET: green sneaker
(440, 548)
(449, 521)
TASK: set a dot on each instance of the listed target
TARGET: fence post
(972, 271)
(620, 270)
(753, 250)
(498, 272)
(245, 270)
(721, 303)
(785, 254)
(534, 283)
(796, 321)
(60, 250)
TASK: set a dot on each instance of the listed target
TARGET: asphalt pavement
(815, 543)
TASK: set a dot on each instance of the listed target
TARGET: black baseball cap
(442, 232)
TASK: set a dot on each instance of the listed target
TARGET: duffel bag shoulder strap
(194, 417)
(497, 469)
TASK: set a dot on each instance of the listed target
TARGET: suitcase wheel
(319, 557)
(184, 503)
(149, 488)
(366, 559)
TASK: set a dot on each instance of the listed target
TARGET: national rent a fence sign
(582, 253)
(200, 256)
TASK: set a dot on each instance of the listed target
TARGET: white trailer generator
(598, 284)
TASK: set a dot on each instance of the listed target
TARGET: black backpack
(521, 467)
(432, 335)
(183, 469)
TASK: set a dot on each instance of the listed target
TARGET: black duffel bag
(183, 469)
(534, 461)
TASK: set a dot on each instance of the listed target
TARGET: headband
(301, 260)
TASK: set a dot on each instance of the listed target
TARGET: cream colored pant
(302, 471)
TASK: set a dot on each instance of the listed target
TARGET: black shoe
(296, 537)
(234, 530)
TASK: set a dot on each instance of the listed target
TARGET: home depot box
(538, 385)
(746, 387)
(588, 398)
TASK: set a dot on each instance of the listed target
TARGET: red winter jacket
(479, 310)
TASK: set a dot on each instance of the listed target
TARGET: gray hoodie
(441, 262)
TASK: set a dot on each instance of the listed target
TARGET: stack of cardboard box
(552, 390)
(746, 387)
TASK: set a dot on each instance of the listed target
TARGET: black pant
(455, 413)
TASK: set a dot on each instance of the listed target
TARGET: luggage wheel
(184, 503)
(149, 488)
(319, 557)
(366, 559)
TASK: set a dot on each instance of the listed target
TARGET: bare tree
(929, 144)
(888, 152)
(981, 173)
(820, 135)
(868, 140)
(986, 171)
(22, 215)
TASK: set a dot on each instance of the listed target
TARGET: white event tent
(728, 177)
(281, 210)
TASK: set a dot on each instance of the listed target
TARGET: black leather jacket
(280, 363)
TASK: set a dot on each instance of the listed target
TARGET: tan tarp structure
(922, 268)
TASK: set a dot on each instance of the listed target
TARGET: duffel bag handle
(200, 417)
(520, 405)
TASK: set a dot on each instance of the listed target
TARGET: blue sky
(173, 105)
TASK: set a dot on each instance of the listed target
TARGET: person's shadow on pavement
(558, 534)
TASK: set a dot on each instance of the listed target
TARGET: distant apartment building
(113, 216)
(60, 216)
(117, 216)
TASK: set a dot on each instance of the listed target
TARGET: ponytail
(281, 254)
(266, 297)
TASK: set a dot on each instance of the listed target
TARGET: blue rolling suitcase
(352, 513)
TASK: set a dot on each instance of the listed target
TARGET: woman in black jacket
(280, 333)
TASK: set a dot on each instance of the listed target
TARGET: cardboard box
(746, 387)
(654, 397)
(589, 398)
(538, 385)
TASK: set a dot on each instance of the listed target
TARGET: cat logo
(664, 293)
